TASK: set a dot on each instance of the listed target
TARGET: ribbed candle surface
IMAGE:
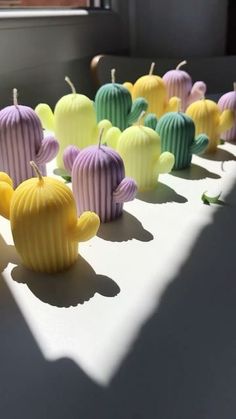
(44, 223)
(140, 148)
(114, 102)
(208, 119)
(228, 101)
(21, 140)
(98, 181)
(177, 132)
(179, 83)
(153, 89)
(74, 122)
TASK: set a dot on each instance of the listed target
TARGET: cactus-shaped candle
(179, 83)
(209, 119)
(153, 89)
(140, 148)
(74, 121)
(21, 140)
(228, 101)
(177, 132)
(114, 102)
(98, 180)
(44, 222)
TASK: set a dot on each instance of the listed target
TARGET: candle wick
(113, 75)
(68, 80)
(235, 86)
(36, 170)
(181, 64)
(140, 118)
(15, 97)
(100, 137)
(152, 69)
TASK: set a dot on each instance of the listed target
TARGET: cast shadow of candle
(194, 172)
(124, 228)
(161, 195)
(219, 155)
(7, 254)
(69, 288)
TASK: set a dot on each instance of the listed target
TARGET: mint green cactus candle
(113, 101)
(177, 132)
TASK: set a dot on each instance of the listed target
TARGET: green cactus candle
(114, 102)
(177, 132)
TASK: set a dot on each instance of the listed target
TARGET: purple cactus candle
(98, 180)
(228, 101)
(21, 140)
(179, 83)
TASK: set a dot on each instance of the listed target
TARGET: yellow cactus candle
(153, 89)
(74, 121)
(140, 149)
(44, 222)
(209, 120)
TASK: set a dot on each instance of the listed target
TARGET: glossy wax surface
(228, 101)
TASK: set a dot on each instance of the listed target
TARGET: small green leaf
(211, 199)
(62, 173)
(67, 178)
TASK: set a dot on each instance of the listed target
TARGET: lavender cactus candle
(98, 180)
(21, 140)
(228, 101)
(179, 83)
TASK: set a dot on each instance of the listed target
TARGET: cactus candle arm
(48, 150)
(150, 121)
(226, 120)
(174, 104)
(6, 192)
(197, 92)
(129, 86)
(105, 125)
(69, 156)
(199, 144)
(46, 116)
(165, 162)
(125, 191)
(139, 105)
(86, 227)
(112, 137)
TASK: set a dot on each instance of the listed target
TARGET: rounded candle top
(14, 116)
(228, 100)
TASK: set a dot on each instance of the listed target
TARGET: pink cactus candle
(21, 140)
(179, 83)
(228, 101)
(98, 180)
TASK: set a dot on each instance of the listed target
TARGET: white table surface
(144, 325)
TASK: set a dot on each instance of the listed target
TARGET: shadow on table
(124, 228)
(32, 387)
(69, 288)
(161, 195)
(194, 172)
(219, 155)
(182, 364)
(7, 254)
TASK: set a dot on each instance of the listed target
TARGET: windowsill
(12, 14)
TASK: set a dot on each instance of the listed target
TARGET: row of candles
(145, 132)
